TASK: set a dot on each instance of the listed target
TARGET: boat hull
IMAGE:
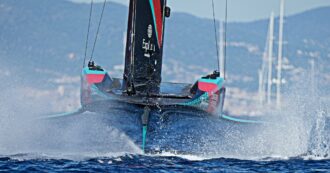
(175, 114)
(205, 95)
(180, 129)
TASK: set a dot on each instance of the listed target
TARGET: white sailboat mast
(280, 54)
(270, 57)
(313, 77)
(261, 88)
(221, 50)
(265, 77)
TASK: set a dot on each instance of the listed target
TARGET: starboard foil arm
(239, 120)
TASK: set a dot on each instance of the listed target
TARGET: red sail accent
(159, 21)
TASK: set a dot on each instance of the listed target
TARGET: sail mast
(265, 77)
(221, 50)
(261, 90)
(312, 62)
(280, 54)
(270, 57)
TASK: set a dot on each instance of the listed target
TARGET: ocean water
(295, 139)
(145, 163)
(91, 145)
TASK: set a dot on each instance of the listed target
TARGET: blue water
(90, 144)
(297, 140)
(141, 163)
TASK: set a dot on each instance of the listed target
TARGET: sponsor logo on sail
(147, 46)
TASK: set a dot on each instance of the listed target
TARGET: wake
(299, 130)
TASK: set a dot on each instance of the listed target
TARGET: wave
(299, 130)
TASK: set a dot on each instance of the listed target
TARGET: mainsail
(144, 46)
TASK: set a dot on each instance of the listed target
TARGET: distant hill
(49, 36)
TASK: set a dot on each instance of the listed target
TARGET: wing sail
(144, 46)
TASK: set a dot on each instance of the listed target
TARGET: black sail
(144, 46)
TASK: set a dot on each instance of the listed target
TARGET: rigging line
(225, 41)
(98, 30)
(89, 26)
(216, 35)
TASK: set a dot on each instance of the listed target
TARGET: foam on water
(86, 136)
(175, 154)
(299, 129)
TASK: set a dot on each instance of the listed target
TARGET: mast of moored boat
(265, 77)
(222, 51)
(270, 58)
(280, 54)
(312, 63)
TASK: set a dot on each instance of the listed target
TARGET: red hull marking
(94, 78)
(207, 87)
(159, 20)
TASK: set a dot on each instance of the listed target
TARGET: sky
(238, 10)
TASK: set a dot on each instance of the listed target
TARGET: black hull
(177, 129)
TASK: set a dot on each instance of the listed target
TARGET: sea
(156, 163)
(82, 147)
(293, 139)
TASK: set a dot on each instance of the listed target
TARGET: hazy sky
(238, 10)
